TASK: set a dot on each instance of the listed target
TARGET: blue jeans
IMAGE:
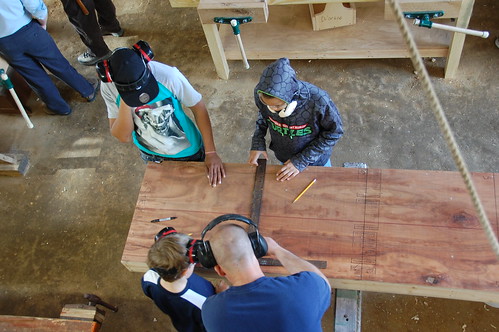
(27, 50)
(198, 156)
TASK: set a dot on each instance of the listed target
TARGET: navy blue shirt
(294, 303)
(184, 308)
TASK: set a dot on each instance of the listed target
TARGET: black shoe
(118, 33)
(95, 85)
(51, 112)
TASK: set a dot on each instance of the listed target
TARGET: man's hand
(287, 172)
(254, 155)
(215, 169)
(292, 263)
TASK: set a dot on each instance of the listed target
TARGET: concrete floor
(64, 224)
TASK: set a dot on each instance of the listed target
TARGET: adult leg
(43, 49)
(87, 26)
(13, 49)
(106, 14)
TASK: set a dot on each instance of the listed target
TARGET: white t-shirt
(161, 126)
(170, 77)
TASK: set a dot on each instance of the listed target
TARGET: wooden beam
(216, 50)
(404, 231)
(40, 324)
(457, 43)
(209, 9)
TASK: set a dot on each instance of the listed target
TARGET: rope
(444, 125)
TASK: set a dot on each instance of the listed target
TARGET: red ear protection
(104, 69)
(145, 51)
(164, 232)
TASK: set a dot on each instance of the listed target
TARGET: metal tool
(163, 219)
(256, 208)
(94, 300)
(422, 19)
(235, 22)
(8, 84)
(258, 191)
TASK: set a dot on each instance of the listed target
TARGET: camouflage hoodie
(308, 135)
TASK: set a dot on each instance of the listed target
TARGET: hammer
(94, 300)
(82, 7)
(235, 22)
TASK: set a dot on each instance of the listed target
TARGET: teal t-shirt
(162, 128)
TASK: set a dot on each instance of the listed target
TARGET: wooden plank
(348, 310)
(7, 159)
(195, 3)
(83, 312)
(415, 231)
(366, 39)
(209, 9)
(39, 324)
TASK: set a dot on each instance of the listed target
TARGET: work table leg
(216, 50)
(457, 43)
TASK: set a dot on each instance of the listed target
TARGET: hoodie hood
(279, 80)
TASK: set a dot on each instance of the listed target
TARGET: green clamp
(6, 80)
(424, 17)
(234, 22)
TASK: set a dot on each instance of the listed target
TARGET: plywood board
(411, 232)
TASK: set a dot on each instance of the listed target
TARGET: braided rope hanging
(444, 125)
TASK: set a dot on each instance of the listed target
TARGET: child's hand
(254, 155)
(287, 172)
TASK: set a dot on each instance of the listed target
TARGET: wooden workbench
(395, 231)
(288, 33)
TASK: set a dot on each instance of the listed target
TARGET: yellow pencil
(304, 190)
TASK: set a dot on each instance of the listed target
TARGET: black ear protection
(105, 71)
(202, 249)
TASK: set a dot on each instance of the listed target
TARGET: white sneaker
(89, 59)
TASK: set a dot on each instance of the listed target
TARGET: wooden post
(457, 43)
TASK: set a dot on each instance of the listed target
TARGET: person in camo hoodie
(303, 121)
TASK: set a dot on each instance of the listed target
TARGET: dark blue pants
(27, 50)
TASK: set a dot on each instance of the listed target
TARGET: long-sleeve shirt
(14, 14)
